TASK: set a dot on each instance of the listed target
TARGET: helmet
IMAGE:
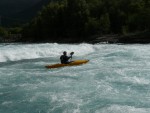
(64, 52)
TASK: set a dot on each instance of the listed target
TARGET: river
(116, 79)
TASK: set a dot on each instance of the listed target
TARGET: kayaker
(64, 58)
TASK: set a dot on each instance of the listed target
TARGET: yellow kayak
(73, 63)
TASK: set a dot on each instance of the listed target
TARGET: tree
(3, 32)
(77, 20)
(105, 23)
(76, 17)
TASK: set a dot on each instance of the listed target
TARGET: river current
(116, 79)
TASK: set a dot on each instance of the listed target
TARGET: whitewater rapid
(17, 52)
(116, 80)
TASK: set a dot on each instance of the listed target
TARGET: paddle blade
(71, 53)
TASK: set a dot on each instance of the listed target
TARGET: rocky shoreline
(141, 38)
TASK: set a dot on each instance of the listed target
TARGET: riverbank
(12, 38)
(140, 37)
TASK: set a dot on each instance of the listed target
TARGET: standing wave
(15, 52)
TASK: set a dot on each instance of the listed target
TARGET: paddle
(71, 54)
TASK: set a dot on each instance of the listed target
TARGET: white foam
(123, 109)
(32, 51)
(7, 103)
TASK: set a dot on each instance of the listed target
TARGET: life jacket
(64, 59)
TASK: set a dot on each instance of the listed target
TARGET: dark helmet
(65, 52)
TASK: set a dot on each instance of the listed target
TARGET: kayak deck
(73, 63)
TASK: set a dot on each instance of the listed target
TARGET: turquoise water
(116, 80)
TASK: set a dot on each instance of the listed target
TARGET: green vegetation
(3, 32)
(10, 34)
(77, 20)
(73, 20)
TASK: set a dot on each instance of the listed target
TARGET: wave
(15, 52)
(123, 109)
